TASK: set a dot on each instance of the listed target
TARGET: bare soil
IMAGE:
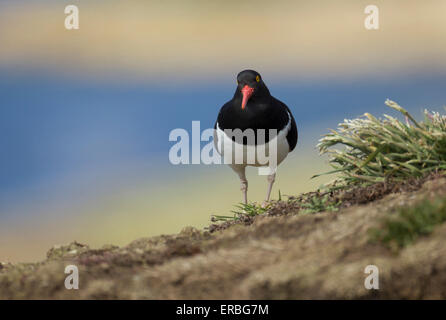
(283, 254)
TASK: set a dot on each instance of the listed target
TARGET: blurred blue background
(85, 115)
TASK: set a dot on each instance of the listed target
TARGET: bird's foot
(265, 204)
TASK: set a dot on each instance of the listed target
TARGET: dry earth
(279, 255)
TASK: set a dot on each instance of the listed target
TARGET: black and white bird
(253, 107)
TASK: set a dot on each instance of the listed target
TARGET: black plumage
(262, 110)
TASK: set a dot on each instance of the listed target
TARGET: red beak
(247, 92)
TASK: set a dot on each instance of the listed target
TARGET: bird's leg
(244, 188)
(243, 185)
(271, 179)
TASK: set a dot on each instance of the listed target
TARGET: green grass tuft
(318, 204)
(410, 223)
(242, 210)
(373, 150)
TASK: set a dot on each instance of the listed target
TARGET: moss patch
(410, 223)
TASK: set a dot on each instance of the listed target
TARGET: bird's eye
(258, 79)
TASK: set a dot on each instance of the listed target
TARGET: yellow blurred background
(186, 40)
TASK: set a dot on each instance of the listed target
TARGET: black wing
(292, 135)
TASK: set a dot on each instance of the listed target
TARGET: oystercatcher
(253, 110)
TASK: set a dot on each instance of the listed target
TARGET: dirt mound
(280, 255)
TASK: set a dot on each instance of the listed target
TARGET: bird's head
(250, 85)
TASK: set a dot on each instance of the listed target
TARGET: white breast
(221, 140)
